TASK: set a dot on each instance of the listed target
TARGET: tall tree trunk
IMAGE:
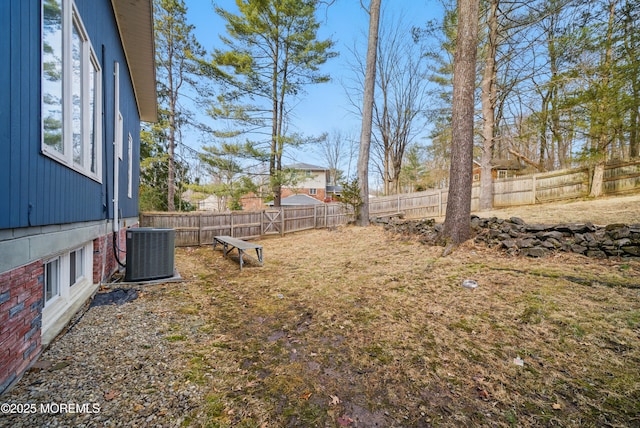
(632, 44)
(543, 126)
(171, 179)
(457, 223)
(367, 112)
(602, 139)
(273, 158)
(489, 97)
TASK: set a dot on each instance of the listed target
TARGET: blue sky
(325, 107)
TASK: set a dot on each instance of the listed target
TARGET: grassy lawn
(358, 327)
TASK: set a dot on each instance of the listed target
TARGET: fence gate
(272, 222)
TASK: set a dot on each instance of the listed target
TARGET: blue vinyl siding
(5, 103)
(36, 190)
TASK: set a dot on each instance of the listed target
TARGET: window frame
(54, 296)
(90, 108)
(67, 287)
(77, 258)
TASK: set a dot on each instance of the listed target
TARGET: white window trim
(71, 17)
(56, 296)
(67, 293)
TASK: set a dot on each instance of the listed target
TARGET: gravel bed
(117, 365)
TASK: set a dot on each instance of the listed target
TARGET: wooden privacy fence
(200, 227)
(544, 187)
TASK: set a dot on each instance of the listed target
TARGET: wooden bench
(229, 243)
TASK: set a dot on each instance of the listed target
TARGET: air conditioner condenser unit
(150, 254)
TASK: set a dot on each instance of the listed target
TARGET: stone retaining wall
(536, 240)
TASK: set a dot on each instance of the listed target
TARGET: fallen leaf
(556, 406)
(306, 395)
(334, 400)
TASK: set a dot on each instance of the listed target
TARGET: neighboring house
(500, 168)
(212, 203)
(203, 201)
(313, 181)
(76, 78)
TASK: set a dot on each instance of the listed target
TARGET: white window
(71, 90)
(51, 280)
(68, 281)
(76, 266)
(65, 271)
(313, 191)
(503, 173)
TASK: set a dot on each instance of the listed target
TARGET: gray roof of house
(306, 166)
(299, 200)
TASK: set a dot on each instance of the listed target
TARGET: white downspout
(117, 139)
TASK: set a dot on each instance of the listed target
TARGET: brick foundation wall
(103, 251)
(21, 303)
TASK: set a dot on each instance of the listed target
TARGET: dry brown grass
(602, 211)
(356, 327)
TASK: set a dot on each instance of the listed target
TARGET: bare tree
(457, 223)
(400, 101)
(337, 150)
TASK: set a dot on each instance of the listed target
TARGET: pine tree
(177, 54)
(272, 52)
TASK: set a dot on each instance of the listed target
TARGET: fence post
(315, 216)
(326, 216)
(282, 221)
(440, 203)
(232, 225)
(262, 216)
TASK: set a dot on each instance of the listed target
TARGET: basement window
(51, 280)
(63, 273)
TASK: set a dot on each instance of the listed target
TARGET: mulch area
(116, 365)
